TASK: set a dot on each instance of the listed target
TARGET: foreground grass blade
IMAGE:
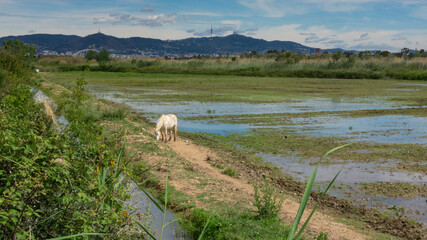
(175, 220)
(333, 150)
(166, 203)
(40, 223)
(149, 196)
(119, 157)
(204, 229)
(314, 209)
(306, 195)
(78, 235)
(303, 204)
(145, 229)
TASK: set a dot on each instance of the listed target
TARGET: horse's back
(173, 117)
(171, 120)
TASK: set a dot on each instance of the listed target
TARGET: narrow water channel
(139, 205)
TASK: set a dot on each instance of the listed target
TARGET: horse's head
(157, 135)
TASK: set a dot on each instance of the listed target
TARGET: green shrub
(233, 224)
(230, 172)
(142, 63)
(55, 183)
(114, 114)
(3, 78)
(267, 201)
(322, 236)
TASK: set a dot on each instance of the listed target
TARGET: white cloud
(363, 37)
(149, 10)
(100, 20)
(236, 23)
(228, 28)
(272, 8)
(150, 21)
(207, 14)
(319, 36)
(279, 8)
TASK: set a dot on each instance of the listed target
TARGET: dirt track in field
(228, 189)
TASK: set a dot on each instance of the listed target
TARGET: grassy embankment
(236, 159)
(373, 68)
(55, 182)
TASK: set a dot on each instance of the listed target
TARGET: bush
(267, 201)
(3, 78)
(54, 183)
(233, 224)
(114, 114)
(230, 172)
(142, 63)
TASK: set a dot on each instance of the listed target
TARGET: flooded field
(390, 122)
(385, 128)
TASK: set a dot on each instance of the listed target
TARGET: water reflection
(382, 129)
(141, 205)
(353, 174)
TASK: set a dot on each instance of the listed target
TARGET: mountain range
(232, 44)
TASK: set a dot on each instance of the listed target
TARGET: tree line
(292, 57)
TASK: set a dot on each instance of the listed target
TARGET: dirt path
(320, 222)
(228, 189)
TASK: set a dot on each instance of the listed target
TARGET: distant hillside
(232, 44)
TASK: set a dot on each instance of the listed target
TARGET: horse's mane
(160, 121)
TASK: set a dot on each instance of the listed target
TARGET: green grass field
(253, 89)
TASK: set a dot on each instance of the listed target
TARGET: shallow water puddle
(352, 174)
(383, 129)
(191, 108)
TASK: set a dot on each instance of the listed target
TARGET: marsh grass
(373, 68)
(394, 189)
(187, 87)
(275, 119)
(305, 64)
(287, 142)
(234, 223)
(230, 172)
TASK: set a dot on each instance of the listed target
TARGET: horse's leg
(175, 131)
(161, 133)
(166, 134)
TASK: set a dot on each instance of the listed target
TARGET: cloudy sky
(349, 24)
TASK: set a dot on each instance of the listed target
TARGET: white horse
(164, 123)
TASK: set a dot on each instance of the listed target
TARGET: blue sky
(349, 24)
